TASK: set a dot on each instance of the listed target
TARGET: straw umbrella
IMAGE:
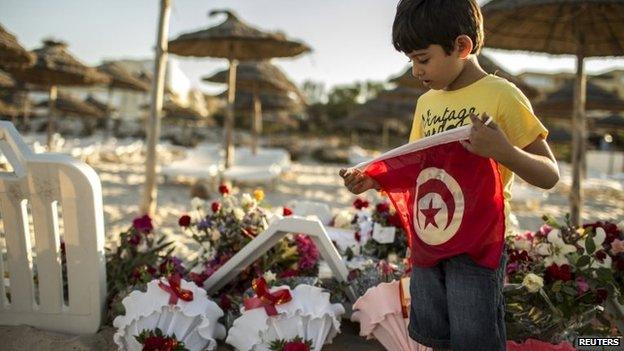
(255, 76)
(585, 28)
(559, 103)
(234, 40)
(406, 79)
(56, 66)
(122, 79)
(12, 54)
(67, 105)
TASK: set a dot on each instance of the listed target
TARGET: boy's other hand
(487, 140)
(356, 181)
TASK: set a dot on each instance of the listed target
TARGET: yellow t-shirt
(440, 110)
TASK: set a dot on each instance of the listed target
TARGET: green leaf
(569, 290)
(556, 287)
(590, 246)
(583, 261)
(604, 274)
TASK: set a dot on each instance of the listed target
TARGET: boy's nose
(417, 73)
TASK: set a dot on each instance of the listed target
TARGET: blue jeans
(458, 305)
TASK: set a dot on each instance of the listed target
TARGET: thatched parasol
(121, 78)
(612, 121)
(7, 109)
(585, 28)
(12, 54)
(256, 76)
(56, 66)
(103, 107)
(67, 105)
(559, 103)
(6, 81)
(407, 80)
(234, 40)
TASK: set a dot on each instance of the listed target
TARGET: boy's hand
(356, 181)
(487, 140)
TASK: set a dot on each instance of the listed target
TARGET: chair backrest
(47, 200)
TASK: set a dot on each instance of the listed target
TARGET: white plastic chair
(53, 187)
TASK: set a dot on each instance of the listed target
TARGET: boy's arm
(535, 163)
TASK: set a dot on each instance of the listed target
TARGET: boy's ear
(463, 45)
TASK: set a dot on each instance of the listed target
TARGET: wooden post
(51, 117)
(229, 117)
(385, 135)
(148, 205)
(256, 121)
(579, 136)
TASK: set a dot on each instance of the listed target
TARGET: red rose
(619, 263)
(216, 206)
(134, 239)
(296, 346)
(289, 273)
(601, 295)
(287, 212)
(143, 224)
(225, 303)
(184, 221)
(601, 255)
(383, 207)
(360, 203)
(223, 189)
(358, 236)
(562, 273)
(154, 343)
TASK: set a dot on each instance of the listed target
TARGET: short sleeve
(417, 131)
(517, 120)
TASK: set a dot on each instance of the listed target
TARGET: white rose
(343, 219)
(543, 249)
(247, 201)
(522, 244)
(238, 214)
(533, 282)
(197, 203)
(393, 258)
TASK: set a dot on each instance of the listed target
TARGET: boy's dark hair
(420, 23)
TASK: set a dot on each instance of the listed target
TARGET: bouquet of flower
(378, 231)
(139, 258)
(568, 273)
(155, 340)
(296, 344)
(227, 226)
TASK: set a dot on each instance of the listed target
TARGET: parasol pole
(256, 122)
(229, 118)
(51, 118)
(148, 205)
(578, 136)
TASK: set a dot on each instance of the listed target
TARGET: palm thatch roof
(560, 103)
(55, 65)
(121, 78)
(262, 75)
(407, 80)
(236, 40)
(103, 107)
(6, 81)
(68, 105)
(270, 102)
(612, 121)
(7, 109)
(12, 54)
(553, 26)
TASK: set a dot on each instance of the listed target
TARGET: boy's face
(434, 67)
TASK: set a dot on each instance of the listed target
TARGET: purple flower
(308, 252)
(203, 224)
(143, 224)
(512, 268)
(581, 285)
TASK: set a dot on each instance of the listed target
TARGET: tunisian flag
(450, 200)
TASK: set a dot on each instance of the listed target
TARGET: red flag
(450, 200)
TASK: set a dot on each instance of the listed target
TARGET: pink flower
(544, 230)
(512, 268)
(308, 252)
(143, 224)
(581, 285)
(617, 246)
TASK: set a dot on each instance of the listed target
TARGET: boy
(458, 304)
